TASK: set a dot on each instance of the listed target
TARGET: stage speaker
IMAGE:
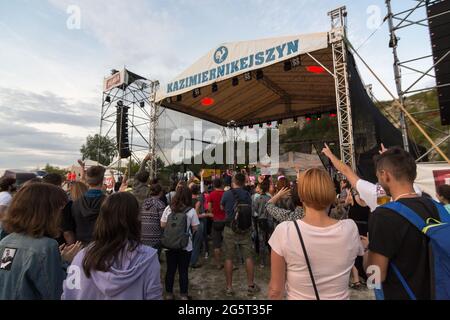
(123, 145)
(439, 22)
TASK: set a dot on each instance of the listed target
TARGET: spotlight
(248, 76)
(214, 87)
(308, 118)
(169, 100)
(287, 65)
(207, 102)
(120, 103)
(333, 115)
(295, 119)
(259, 74)
(280, 122)
(295, 62)
(142, 104)
(108, 99)
(235, 81)
(318, 116)
(179, 98)
(196, 92)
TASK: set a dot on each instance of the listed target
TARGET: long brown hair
(182, 198)
(117, 227)
(36, 211)
(77, 190)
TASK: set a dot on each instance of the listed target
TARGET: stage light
(235, 81)
(315, 69)
(214, 87)
(207, 102)
(287, 65)
(142, 104)
(295, 119)
(120, 103)
(259, 74)
(295, 62)
(248, 76)
(269, 123)
(196, 92)
(333, 115)
(280, 122)
(308, 118)
(318, 116)
(179, 98)
(108, 99)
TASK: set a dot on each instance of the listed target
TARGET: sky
(54, 55)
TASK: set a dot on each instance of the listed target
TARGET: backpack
(242, 221)
(176, 233)
(438, 232)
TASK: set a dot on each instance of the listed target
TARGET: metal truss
(398, 21)
(344, 113)
(137, 97)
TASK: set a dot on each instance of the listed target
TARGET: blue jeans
(197, 241)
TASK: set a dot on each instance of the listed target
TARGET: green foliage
(99, 148)
(51, 169)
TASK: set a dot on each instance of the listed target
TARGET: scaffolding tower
(337, 38)
(124, 90)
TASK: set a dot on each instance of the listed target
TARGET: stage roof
(270, 95)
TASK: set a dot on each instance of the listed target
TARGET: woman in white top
(331, 246)
(179, 259)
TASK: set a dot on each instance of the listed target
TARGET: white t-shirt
(370, 192)
(192, 220)
(332, 252)
(5, 198)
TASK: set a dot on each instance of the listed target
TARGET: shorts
(217, 233)
(231, 240)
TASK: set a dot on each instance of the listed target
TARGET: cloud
(47, 108)
(29, 128)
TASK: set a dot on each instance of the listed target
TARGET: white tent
(273, 78)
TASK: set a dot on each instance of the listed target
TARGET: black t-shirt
(396, 238)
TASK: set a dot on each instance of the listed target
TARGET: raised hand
(327, 151)
(383, 149)
(81, 163)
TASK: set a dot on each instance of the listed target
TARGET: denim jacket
(30, 268)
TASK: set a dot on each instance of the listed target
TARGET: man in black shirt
(86, 209)
(393, 239)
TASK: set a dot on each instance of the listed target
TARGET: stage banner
(232, 59)
(115, 80)
(432, 175)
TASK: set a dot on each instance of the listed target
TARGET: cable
(371, 35)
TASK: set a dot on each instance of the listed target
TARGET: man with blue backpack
(237, 205)
(409, 237)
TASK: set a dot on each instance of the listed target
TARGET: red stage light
(333, 115)
(315, 69)
(207, 102)
(308, 119)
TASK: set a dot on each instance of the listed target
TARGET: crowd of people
(318, 237)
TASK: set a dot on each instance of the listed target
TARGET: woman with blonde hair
(312, 258)
(77, 190)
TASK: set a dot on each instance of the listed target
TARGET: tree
(51, 169)
(99, 148)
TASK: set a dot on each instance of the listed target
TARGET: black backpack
(176, 233)
(242, 221)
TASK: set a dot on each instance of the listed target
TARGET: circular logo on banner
(220, 55)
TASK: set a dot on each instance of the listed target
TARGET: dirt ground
(208, 283)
